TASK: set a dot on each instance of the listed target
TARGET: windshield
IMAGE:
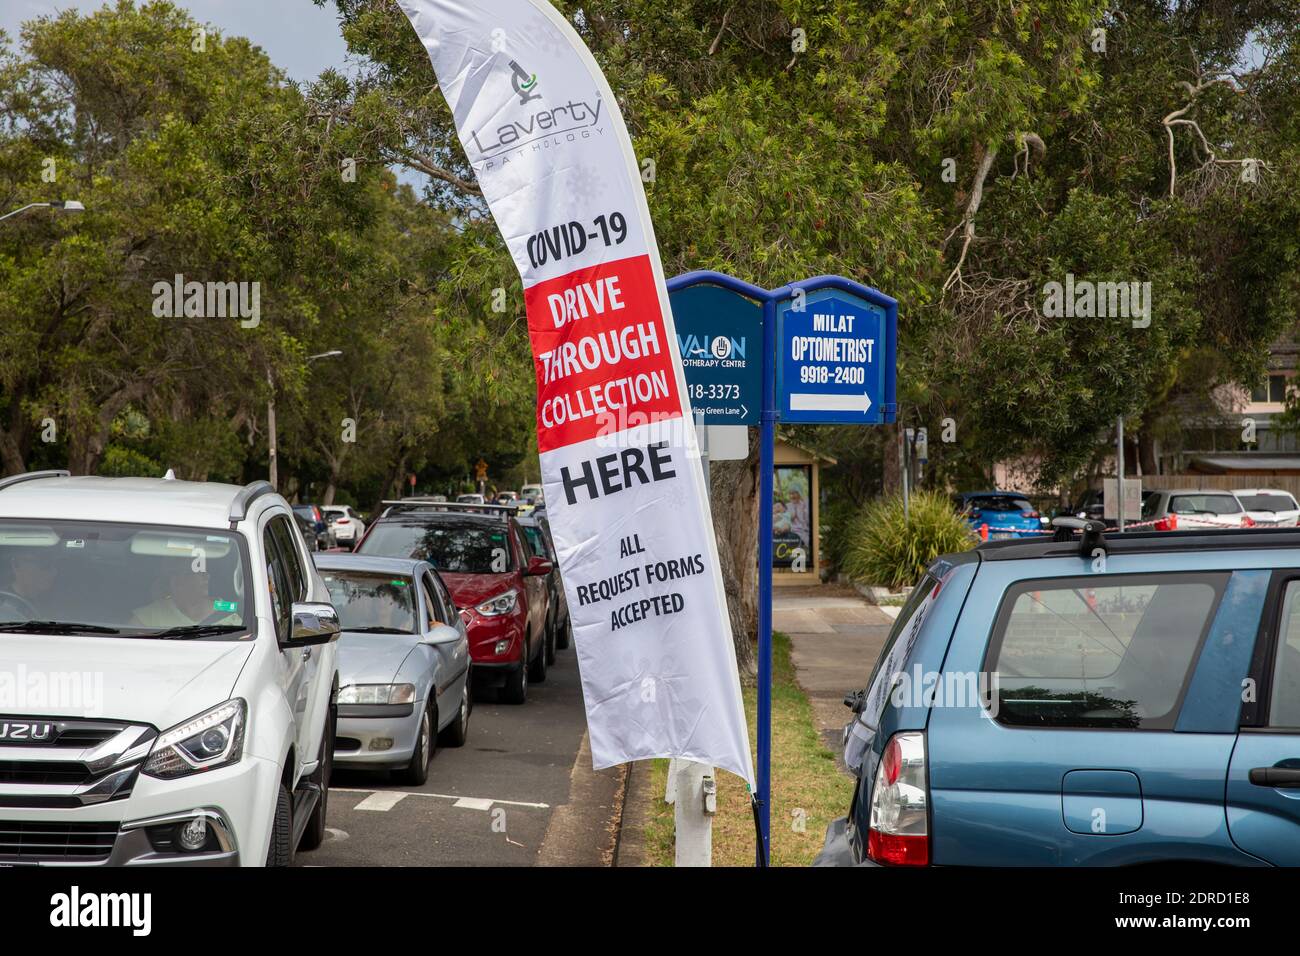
(375, 602)
(479, 548)
(1267, 502)
(66, 577)
(1205, 504)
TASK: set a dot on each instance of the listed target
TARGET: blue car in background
(1007, 513)
(1082, 701)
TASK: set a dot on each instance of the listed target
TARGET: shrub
(886, 550)
(837, 519)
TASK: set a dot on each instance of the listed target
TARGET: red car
(496, 582)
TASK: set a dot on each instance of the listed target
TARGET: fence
(1289, 483)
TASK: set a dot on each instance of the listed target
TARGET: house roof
(1246, 463)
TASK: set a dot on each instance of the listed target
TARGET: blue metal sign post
(837, 365)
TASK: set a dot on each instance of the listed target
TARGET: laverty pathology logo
(544, 128)
(524, 83)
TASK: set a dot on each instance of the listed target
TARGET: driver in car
(187, 602)
(32, 575)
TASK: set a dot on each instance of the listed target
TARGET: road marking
(817, 402)
(336, 835)
(474, 803)
(381, 800)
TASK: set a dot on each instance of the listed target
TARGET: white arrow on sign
(813, 402)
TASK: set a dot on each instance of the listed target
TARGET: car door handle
(1275, 777)
(306, 653)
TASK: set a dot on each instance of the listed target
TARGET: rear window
(454, 548)
(1204, 505)
(1267, 502)
(1069, 652)
(999, 503)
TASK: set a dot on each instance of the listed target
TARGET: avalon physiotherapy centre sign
(624, 489)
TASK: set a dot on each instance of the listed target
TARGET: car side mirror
(442, 634)
(539, 566)
(313, 624)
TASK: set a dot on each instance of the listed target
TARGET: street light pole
(272, 444)
(273, 471)
(70, 205)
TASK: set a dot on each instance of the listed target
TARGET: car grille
(346, 744)
(82, 762)
(18, 771)
(35, 840)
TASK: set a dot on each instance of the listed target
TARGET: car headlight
(503, 603)
(213, 739)
(377, 694)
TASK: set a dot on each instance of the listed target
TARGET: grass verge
(808, 789)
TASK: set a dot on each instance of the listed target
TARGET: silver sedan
(403, 664)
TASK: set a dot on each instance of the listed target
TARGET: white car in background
(347, 525)
(1270, 507)
(191, 649)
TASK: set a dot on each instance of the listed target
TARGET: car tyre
(537, 666)
(457, 731)
(416, 772)
(564, 637)
(280, 852)
(314, 835)
(551, 642)
(516, 688)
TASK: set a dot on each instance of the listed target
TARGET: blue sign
(720, 334)
(835, 358)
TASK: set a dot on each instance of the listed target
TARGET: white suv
(167, 674)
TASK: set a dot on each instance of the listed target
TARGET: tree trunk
(734, 503)
(11, 456)
(891, 480)
(1147, 454)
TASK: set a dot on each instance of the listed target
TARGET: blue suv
(1085, 701)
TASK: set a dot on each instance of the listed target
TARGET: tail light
(899, 834)
(1032, 514)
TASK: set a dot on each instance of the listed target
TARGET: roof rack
(32, 476)
(428, 504)
(1148, 542)
(1091, 535)
(245, 497)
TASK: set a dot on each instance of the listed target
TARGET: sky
(299, 37)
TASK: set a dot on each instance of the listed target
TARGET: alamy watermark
(208, 300)
(24, 690)
(1085, 299)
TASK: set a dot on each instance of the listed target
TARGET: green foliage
(210, 164)
(838, 523)
(886, 549)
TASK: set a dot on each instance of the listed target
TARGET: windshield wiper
(56, 627)
(193, 630)
(376, 629)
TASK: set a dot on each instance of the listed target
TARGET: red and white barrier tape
(1168, 523)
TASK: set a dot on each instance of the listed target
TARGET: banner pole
(766, 455)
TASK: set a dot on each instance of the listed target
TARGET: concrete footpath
(835, 638)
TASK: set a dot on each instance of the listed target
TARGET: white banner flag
(620, 467)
